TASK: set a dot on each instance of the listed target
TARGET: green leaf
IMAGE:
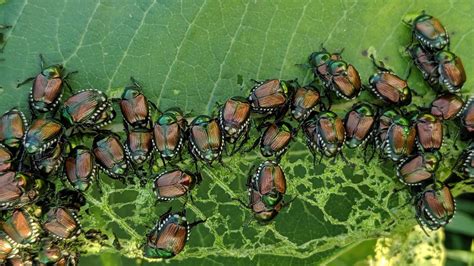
(192, 54)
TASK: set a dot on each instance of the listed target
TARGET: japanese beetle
(389, 87)
(13, 125)
(80, 168)
(6, 159)
(7, 249)
(139, 145)
(400, 139)
(435, 206)
(418, 169)
(110, 155)
(270, 96)
(467, 160)
(62, 223)
(42, 134)
(319, 61)
(467, 116)
(18, 189)
(234, 120)
(87, 108)
(21, 259)
(266, 190)
(276, 138)
(384, 121)
(135, 106)
(429, 132)
(304, 102)
(174, 184)
(47, 88)
(359, 124)
(451, 71)
(169, 236)
(425, 62)
(169, 133)
(325, 133)
(48, 162)
(429, 31)
(67, 198)
(446, 106)
(345, 79)
(21, 228)
(51, 254)
(206, 140)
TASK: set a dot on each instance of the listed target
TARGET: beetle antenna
(135, 82)
(41, 61)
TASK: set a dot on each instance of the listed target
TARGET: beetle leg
(286, 204)
(25, 81)
(256, 142)
(246, 138)
(68, 85)
(193, 224)
(247, 206)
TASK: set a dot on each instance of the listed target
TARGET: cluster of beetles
(39, 218)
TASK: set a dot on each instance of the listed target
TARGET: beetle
(87, 108)
(271, 96)
(384, 121)
(139, 145)
(465, 165)
(49, 161)
(425, 62)
(389, 87)
(110, 155)
(206, 140)
(21, 228)
(234, 121)
(103, 119)
(418, 169)
(135, 106)
(169, 236)
(13, 125)
(62, 223)
(47, 88)
(467, 116)
(325, 133)
(42, 134)
(429, 132)
(446, 106)
(435, 206)
(360, 124)
(345, 79)
(80, 168)
(6, 159)
(400, 139)
(429, 31)
(169, 133)
(174, 183)
(7, 249)
(21, 259)
(67, 198)
(304, 102)
(319, 61)
(451, 71)
(18, 189)
(276, 139)
(51, 253)
(266, 189)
